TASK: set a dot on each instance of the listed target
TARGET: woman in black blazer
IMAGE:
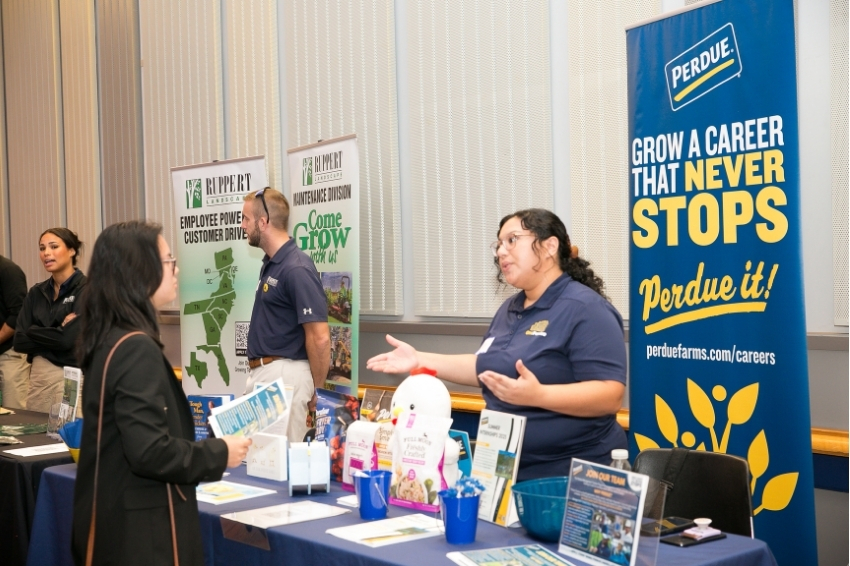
(149, 463)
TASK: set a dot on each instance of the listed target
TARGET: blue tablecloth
(307, 543)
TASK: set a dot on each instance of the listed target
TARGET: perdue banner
(217, 271)
(324, 182)
(717, 320)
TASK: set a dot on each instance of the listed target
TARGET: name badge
(485, 346)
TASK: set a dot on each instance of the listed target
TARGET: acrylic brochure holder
(309, 467)
(611, 517)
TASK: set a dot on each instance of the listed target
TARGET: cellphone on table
(679, 540)
(667, 526)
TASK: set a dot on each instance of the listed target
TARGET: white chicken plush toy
(423, 393)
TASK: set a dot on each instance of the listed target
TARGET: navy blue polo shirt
(288, 294)
(570, 334)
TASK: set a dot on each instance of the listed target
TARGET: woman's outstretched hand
(402, 359)
(237, 449)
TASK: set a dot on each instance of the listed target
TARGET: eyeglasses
(259, 195)
(173, 261)
(509, 242)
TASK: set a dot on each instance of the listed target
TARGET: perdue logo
(703, 67)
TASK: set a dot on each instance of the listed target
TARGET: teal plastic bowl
(540, 505)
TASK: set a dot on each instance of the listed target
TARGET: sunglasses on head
(259, 195)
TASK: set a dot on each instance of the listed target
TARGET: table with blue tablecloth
(308, 543)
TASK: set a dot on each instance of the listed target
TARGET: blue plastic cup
(373, 491)
(460, 517)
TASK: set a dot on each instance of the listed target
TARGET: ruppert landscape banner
(324, 220)
(717, 320)
(218, 271)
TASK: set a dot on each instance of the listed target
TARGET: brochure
(202, 406)
(528, 555)
(281, 426)
(250, 413)
(603, 506)
(219, 492)
(71, 393)
(464, 461)
(496, 463)
(390, 531)
(285, 514)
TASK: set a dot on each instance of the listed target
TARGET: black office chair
(702, 484)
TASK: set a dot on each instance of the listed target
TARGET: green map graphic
(214, 312)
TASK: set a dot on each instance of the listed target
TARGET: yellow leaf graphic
(701, 405)
(645, 442)
(778, 492)
(742, 404)
(758, 457)
(666, 420)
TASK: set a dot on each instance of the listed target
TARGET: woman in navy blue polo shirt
(554, 352)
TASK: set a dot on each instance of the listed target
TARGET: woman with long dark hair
(46, 331)
(134, 499)
(554, 352)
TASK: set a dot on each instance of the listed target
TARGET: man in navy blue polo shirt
(289, 336)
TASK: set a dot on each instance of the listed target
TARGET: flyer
(285, 514)
(496, 463)
(390, 531)
(527, 555)
(603, 506)
(219, 492)
(250, 413)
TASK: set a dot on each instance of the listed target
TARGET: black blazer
(147, 440)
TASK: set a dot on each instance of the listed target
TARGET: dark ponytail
(545, 224)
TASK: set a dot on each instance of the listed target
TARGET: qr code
(242, 338)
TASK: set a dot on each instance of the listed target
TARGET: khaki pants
(15, 377)
(295, 373)
(47, 382)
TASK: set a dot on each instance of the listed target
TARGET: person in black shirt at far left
(14, 368)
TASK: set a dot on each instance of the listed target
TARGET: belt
(257, 362)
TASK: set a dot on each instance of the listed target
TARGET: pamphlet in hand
(250, 413)
(603, 506)
(496, 463)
